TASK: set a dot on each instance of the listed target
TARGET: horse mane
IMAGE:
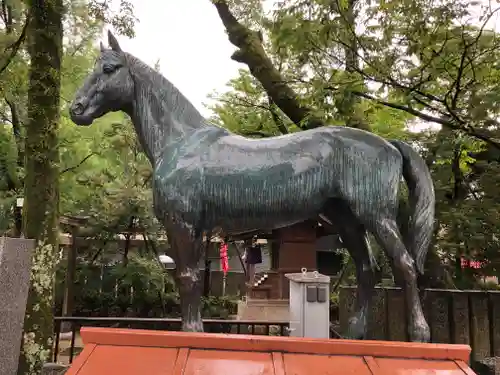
(181, 108)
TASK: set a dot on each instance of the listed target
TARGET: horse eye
(108, 69)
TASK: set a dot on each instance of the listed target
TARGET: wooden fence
(458, 317)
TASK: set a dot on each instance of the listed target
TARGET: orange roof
(130, 352)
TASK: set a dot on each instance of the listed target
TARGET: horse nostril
(77, 108)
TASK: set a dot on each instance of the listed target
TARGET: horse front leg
(188, 250)
(190, 292)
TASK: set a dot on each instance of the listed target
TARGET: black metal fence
(165, 324)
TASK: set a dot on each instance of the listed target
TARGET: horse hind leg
(356, 241)
(387, 234)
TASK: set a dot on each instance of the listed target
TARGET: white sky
(189, 40)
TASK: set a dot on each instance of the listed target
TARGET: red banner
(223, 257)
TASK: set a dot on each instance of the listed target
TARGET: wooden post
(18, 217)
(396, 315)
(69, 290)
(67, 308)
(479, 325)
(224, 280)
(494, 302)
(207, 269)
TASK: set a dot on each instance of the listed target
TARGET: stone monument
(15, 271)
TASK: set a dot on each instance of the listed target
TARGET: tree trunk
(41, 183)
(251, 52)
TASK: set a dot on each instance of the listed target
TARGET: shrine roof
(131, 352)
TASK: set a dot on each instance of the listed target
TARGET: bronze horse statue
(206, 177)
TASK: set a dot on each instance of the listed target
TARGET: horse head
(108, 88)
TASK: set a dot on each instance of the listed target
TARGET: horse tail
(422, 203)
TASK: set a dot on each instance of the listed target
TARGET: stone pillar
(15, 271)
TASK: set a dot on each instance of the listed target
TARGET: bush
(144, 289)
(219, 307)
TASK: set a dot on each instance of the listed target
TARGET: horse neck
(162, 116)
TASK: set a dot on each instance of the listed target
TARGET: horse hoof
(356, 329)
(192, 327)
(420, 333)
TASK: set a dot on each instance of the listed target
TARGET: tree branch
(251, 52)
(414, 89)
(7, 16)
(438, 120)
(278, 121)
(271, 108)
(458, 177)
(16, 130)
(458, 80)
(14, 47)
(243, 102)
(254, 133)
(72, 168)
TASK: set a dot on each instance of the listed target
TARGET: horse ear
(102, 47)
(113, 43)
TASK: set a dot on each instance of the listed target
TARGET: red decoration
(466, 263)
(223, 258)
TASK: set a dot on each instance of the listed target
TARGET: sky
(189, 40)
